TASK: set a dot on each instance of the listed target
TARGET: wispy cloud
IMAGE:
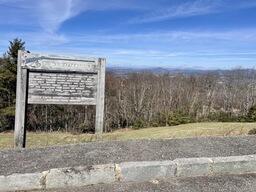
(167, 44)
(187, 9)
(53, 13)
(239, 35)
(160, 39)
(39, 24)
(172, 49)
(43, 15)
(49, 15)
(191, 8)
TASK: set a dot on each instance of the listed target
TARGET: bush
(222, 117)
(159, 120)
(138, 124)
(85, 127)
(242, 119)
(252, 132)
(178, 118)
(251, 116)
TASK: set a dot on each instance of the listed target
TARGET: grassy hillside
(181, 131)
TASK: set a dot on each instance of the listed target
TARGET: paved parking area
(35, 160)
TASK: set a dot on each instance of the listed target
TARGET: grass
(42, 139)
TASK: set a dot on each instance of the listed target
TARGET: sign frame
(42, 63)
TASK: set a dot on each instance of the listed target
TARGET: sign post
(51, 79)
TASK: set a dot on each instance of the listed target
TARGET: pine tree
(8, 73)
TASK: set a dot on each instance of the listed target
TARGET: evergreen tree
(8, 73)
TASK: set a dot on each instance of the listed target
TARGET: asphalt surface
(37, 160)
(228, 183)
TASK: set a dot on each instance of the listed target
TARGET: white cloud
(192, 8)
(50, 14)
(161, 40)
(240, 35)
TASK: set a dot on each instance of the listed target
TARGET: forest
(139, 99)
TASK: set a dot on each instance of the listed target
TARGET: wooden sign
(51, 79)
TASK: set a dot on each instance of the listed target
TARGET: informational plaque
(62, 88)
(51, 79)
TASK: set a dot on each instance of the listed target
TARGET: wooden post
(21, 104)
(100, 97)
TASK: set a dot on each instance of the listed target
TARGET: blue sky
(205, 34)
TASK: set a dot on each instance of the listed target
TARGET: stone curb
(128, 172)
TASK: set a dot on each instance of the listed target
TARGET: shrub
(159, 120)
(252, 113)
(222, 117)
(252, 132)
(138, 124)
(178, 118)
(85, 127)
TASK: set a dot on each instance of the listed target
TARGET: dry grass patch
(42, 139)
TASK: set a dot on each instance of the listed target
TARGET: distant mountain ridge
(162, 70)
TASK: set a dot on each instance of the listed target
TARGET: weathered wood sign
(51, 79)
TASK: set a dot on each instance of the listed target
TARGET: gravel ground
(35, 160)
(228, 183)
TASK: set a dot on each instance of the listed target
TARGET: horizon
(184, 34)
(173, 69)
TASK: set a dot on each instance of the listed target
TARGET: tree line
(142, 99)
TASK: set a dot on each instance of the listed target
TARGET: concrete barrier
(234, 165)
(16, 182)
(146, 170)
(193, 167)
(80, 176)
(128, 172)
